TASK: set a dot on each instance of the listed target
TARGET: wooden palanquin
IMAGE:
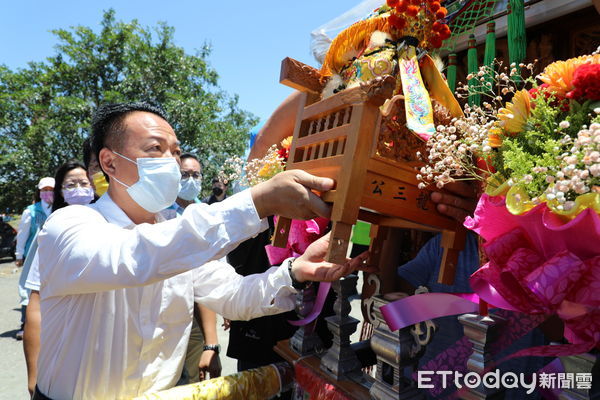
(341, 137)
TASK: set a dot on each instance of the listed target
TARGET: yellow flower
(287, 142)
(267, 171)
(495, 136)
(559, 74)
(514, 116)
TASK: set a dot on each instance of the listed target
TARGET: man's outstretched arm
(218, 287)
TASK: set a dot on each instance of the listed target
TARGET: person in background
(191, 185)
(251, 342)
(219, 191)
(32, 220)
(94, 172)
(202, 355)
(279, 126)
(72, 187)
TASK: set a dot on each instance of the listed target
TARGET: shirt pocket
(177, 303)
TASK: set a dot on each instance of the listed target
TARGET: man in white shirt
(118, 286)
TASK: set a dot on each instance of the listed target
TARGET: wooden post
(452, 243)
(482, 332)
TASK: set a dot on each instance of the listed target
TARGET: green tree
(46, 108)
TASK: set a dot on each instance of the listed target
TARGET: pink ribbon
(422, 307)
(541, 265)
(318, 306)
(301, 235)
(518, 278)
(538, 265)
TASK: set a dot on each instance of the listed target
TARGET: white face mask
(158, 185)
(190, 188)
(78, 195)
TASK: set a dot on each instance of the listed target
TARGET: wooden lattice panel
(323, 137)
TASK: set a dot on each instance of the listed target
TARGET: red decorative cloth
(316, 386)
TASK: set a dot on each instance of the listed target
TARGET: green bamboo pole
(472, 67)
(517, 41)
(490, 53)
(451, 71)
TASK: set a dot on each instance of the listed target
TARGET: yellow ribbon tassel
(419, 112)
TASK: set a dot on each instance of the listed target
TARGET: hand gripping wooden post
(338, 138)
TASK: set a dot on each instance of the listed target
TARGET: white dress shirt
(33, 277)
(117, 298)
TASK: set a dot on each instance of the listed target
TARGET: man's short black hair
(108, 125)
(189, 155)
(87, 152)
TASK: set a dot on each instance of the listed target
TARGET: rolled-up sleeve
(80, 252)
(33, 277)
(221, 289)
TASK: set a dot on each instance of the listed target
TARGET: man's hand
(19, 263)
(289, 194)
(458, 204)
(210, 364)
(311, 265)
(226, 324)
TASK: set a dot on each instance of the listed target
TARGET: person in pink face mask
(32, 220)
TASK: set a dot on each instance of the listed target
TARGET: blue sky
(249, 38)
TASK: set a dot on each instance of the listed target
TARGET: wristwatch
(214, 347)
(295, 283)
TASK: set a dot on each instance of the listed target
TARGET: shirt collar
(112, 212)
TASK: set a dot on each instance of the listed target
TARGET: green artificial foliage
(542, 143)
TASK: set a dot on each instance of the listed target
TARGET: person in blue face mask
(190, 185)
(119, 282)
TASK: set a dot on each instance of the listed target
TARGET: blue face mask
(158, 185)
(190, 188)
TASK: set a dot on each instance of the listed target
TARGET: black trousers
(37, 395)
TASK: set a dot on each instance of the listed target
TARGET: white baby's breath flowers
(452, 148)
(579, 171)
